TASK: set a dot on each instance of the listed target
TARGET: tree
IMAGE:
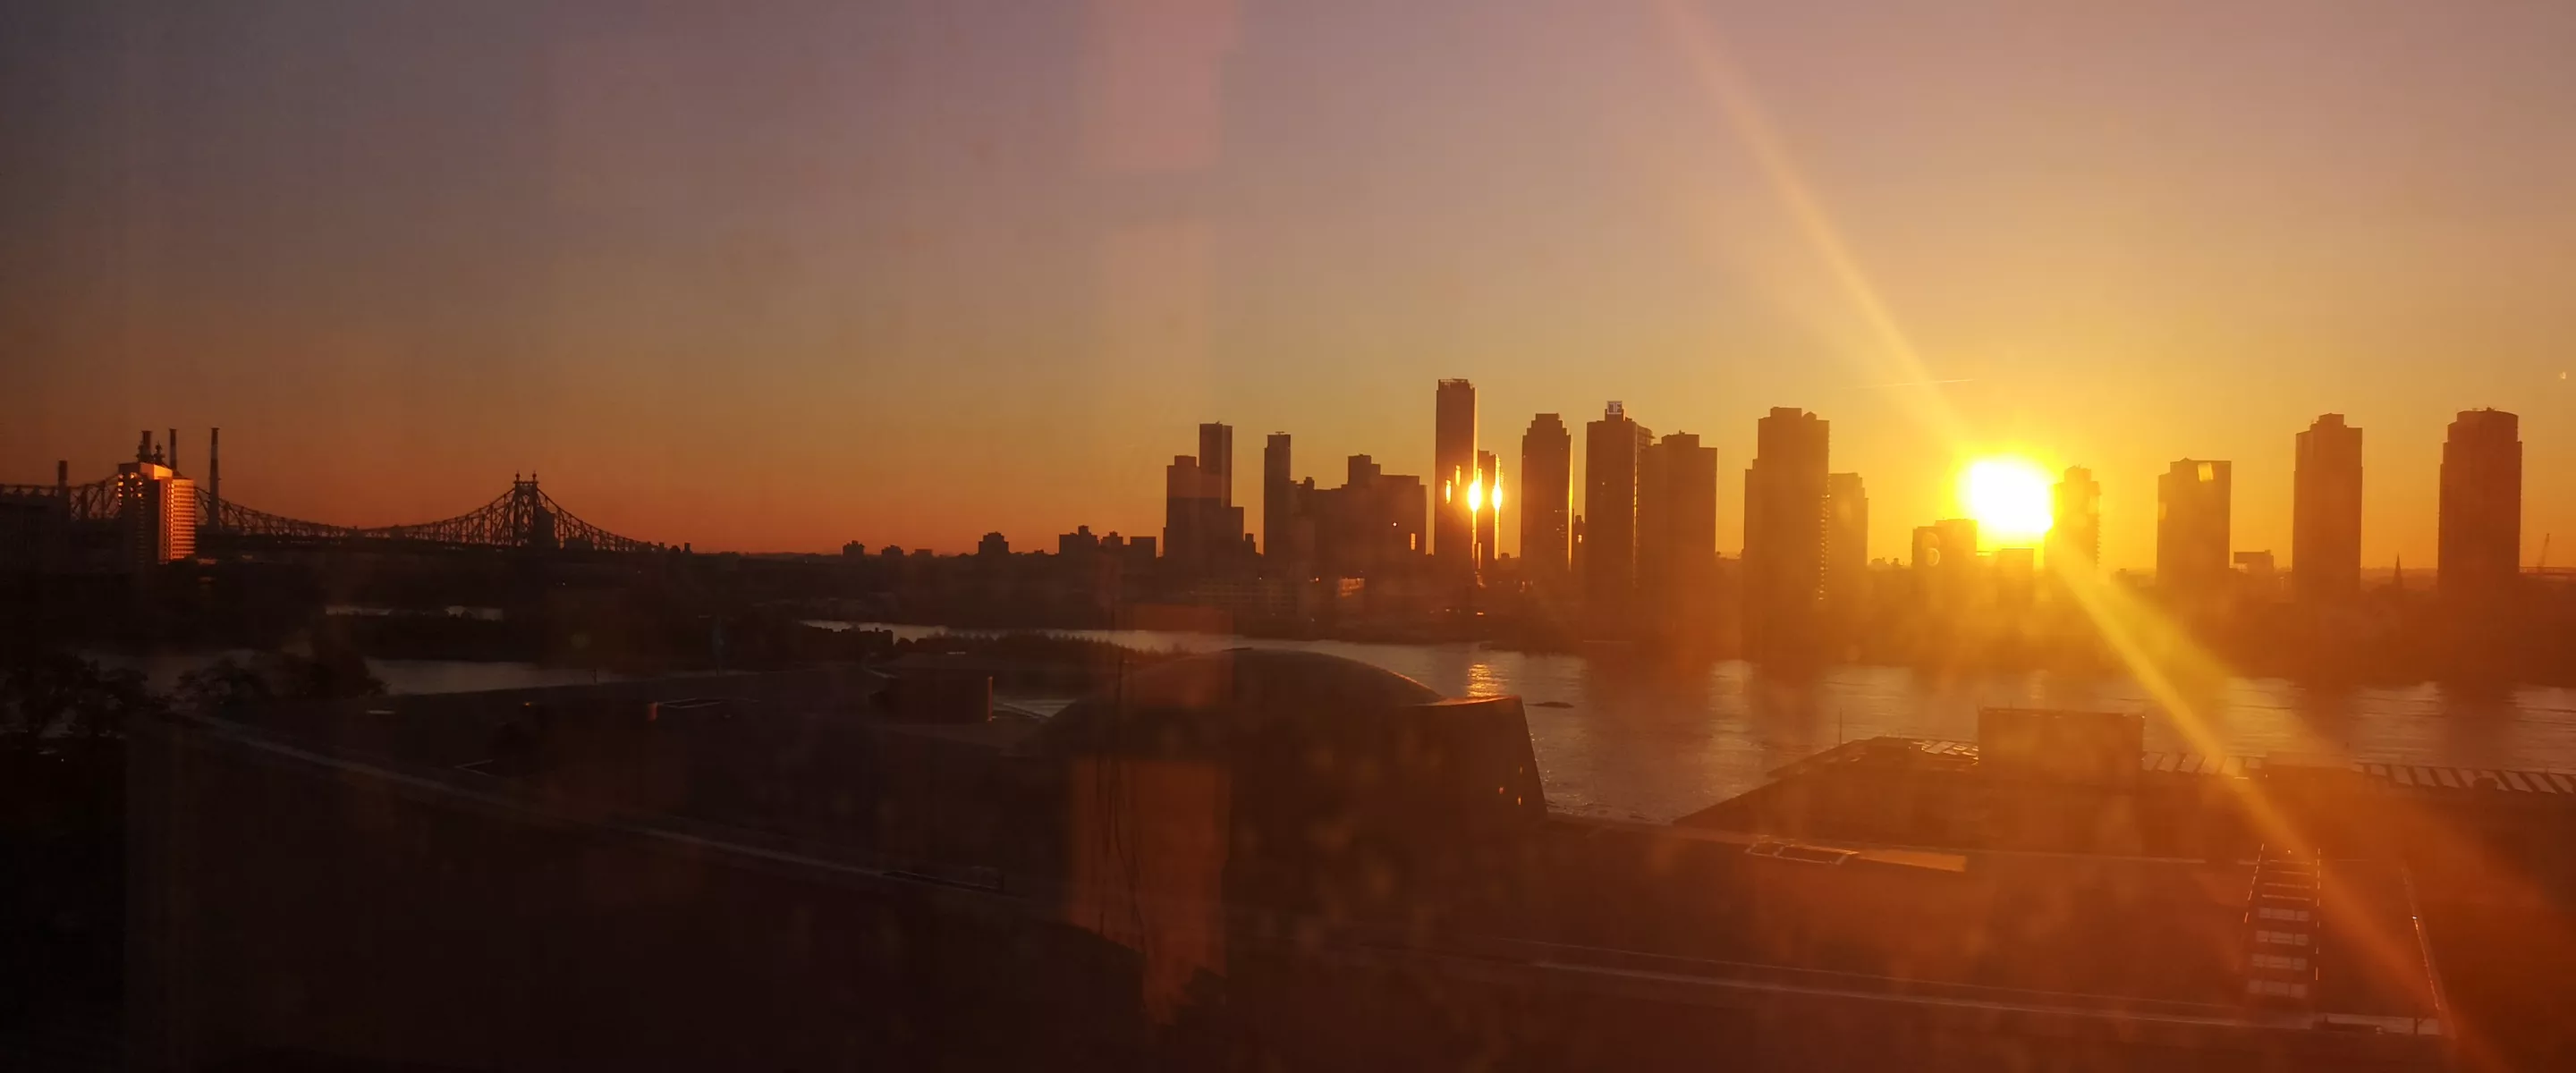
(51, 696)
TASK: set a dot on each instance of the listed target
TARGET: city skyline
(685, 269)
(1200, 490)
(1171, 534)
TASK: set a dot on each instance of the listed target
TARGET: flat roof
(2100, 933)
(1932, 754)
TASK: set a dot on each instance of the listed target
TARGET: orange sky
(911, 273)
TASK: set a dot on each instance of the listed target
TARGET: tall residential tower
(2075, 521)
(2193, 500)
(2325, 513)
(1784, 532)
(1676, 531)
(1611, 448)
(1546, 496)
(1453, 469)
(2481, 522)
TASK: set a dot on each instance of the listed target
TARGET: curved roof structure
(1193, 704)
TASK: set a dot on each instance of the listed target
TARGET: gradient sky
(775, 276)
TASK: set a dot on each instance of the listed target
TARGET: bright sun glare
(2009, 498)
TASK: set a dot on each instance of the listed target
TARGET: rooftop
(1929, 754)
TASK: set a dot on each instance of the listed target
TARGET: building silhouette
(2075, 521)
(1676, 531)
(2014, 577)
(1202, 528)
(1188, 505)
(35, 523)
(2193, 500)
(1945, 565)
(1453, 468)
(1486, 508)
(1612, 448)
(1846, 544)
(2258, 573)
(2325, 513)
(1287, 537)
(1216, 461)
(1784, 532)
(1369, 526)
(993, 546)
(1945, 561)
(1546, 500)
(2481, 519)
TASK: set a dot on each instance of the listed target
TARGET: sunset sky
(774, 276)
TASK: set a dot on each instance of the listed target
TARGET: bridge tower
(532, 526)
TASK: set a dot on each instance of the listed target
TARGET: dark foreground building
(2433, 903)
(1242, 860)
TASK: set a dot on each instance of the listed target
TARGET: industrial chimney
(214, 463)
(174, 448)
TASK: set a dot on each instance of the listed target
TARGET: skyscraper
(1186, 514)
(2325, 512)
(1486, 509)
(1846, 542)
(1784, 531)
(2193, 500)
(1202, 528)
(2075, 521)
(1676, 529)
(1611, 453)
(1546, 496)
(1278, 496)
(2481, 523)
(1453, 468)
(1216, 461)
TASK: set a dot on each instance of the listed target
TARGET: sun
(2009, 498)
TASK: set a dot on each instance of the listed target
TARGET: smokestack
(214, 463)
(62, 476)
(174, 448)
(143, 447)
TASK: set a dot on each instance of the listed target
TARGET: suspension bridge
(524, 518)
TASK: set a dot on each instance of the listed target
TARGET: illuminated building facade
(1453, 469)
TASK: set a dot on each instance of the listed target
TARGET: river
(162, 670)
(1643, 742)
